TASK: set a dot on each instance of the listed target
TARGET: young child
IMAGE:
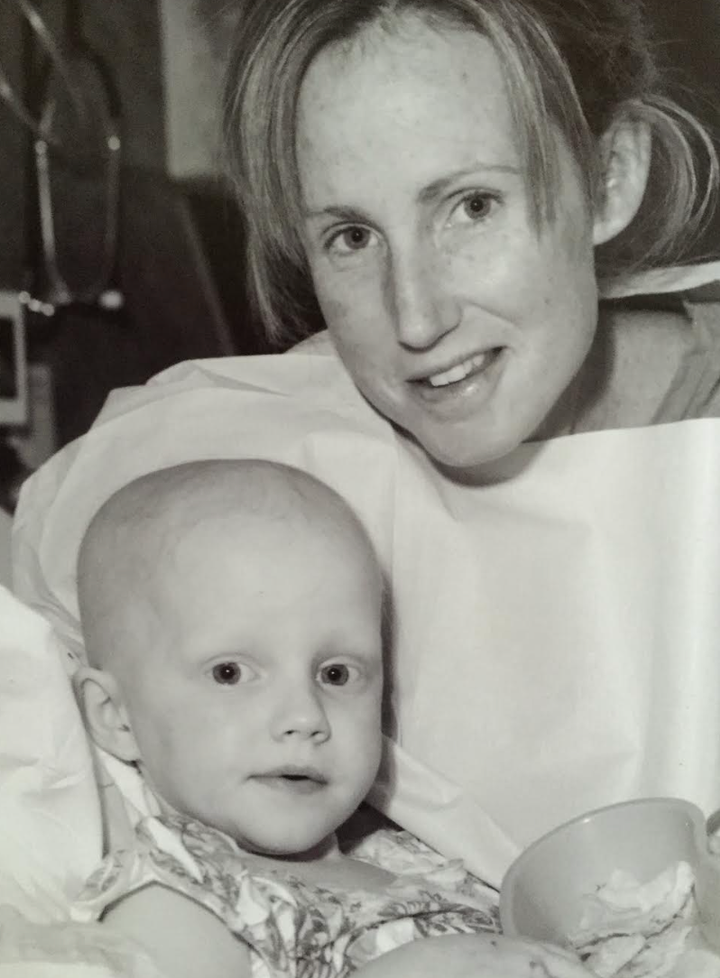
(233, 618)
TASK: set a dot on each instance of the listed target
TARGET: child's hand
(474, 956)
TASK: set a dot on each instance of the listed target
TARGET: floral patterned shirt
(291, 927)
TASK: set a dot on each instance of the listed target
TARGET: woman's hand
(474, 956)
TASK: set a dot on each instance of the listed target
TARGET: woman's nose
(423, 306)
(300, 713)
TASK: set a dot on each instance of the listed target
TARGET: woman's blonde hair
(573, 66)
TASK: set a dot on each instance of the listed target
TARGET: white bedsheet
(50, 825)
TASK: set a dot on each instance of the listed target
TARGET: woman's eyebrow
(425, 195)
(342, 213)
(438, 187)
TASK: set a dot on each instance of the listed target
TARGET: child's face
(256, 703)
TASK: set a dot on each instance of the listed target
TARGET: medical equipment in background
(63, 127)
(127, 270)
(70, 110)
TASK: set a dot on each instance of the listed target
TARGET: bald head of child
(232, 617)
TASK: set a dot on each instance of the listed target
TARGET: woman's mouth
(460, 371)
(461, 378)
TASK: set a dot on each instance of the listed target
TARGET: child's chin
(289, 845)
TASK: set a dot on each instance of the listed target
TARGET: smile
(461, 378)
(460, 371)
(461, 390)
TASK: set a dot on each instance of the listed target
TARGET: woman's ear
(625, 155)
(105, 715)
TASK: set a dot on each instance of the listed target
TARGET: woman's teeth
(460, 372)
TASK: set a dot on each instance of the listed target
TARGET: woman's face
(458, 319)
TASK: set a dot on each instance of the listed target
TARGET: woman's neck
(634, 358)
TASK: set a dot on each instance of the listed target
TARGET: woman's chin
(463, 448)
(467, 428)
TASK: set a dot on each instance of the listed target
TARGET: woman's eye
(475, 207)
(350, 239)
(227, 673)
(337, 674)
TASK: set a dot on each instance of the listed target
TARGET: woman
(456, 182)
(423, 210)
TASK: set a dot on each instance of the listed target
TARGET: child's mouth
(297, 780)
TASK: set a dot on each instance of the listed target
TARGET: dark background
(179, 247)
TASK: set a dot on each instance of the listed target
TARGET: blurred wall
(195, 34)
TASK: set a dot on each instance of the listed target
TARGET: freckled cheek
(490, 268)
(336, 310)
(356, 326)
(568, 249)
(526, 277)
(350, 298)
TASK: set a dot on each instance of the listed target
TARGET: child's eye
(338, 674)
(227, 673)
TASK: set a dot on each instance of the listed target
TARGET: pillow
(50, 822)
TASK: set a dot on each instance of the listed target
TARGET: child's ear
(105, 715)
(625, 157)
